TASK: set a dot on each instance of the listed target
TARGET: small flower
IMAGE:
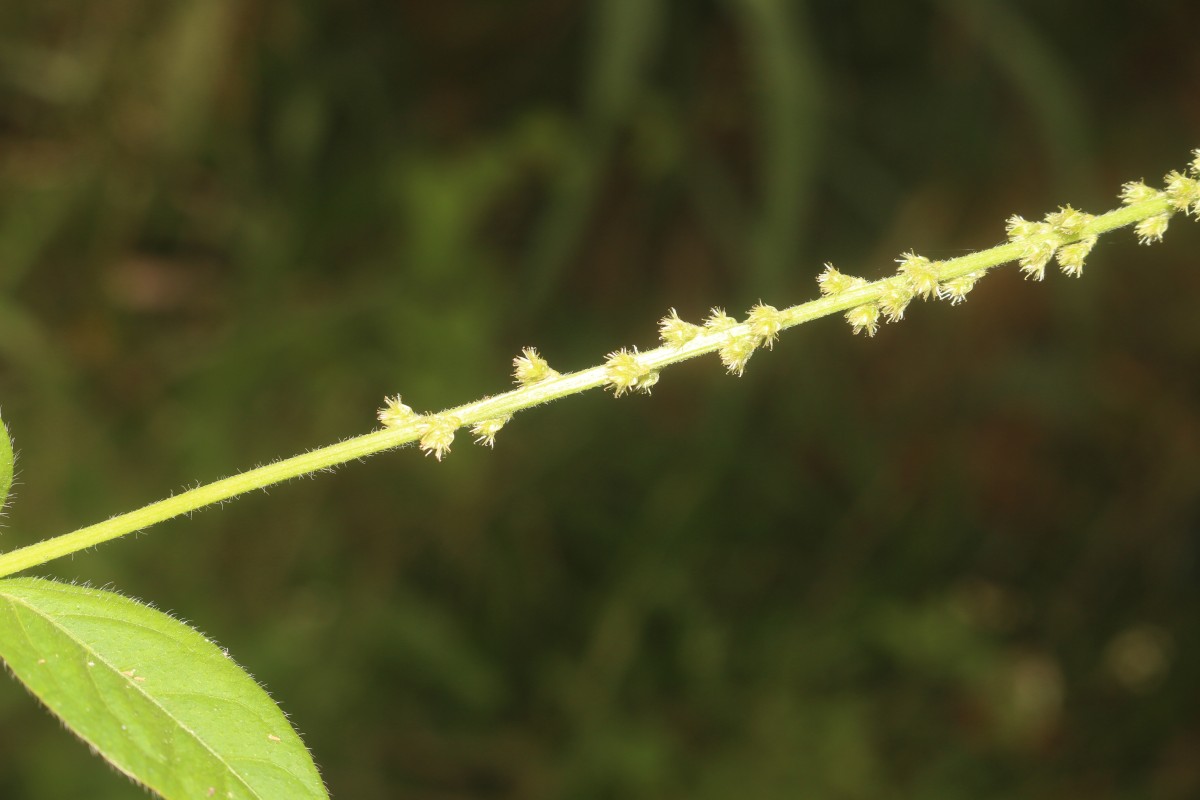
(486, 430)
(864, 318)
(625, 372)
(395, 414)
(896, 297)
(530, 367)
(1151, 229)
(955, 290)
(737, 351)
(832, 281)
(921, 274)
(718, 320)
(437, 434)
(765, 323)
(674, 332)
(1194, 167)
(1136, 192)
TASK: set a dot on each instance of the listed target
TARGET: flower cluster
(1064, 235)
(920, 274)
(765, 324)
(625, 372)
(917, 276)
(861, 318)
(675, 332)
(1151, 229)
(436, 431)
(395, 414)
(955, 290)
(1182, 192)
(1037, 242)
(832, 282)
(718, 321)
(530, 367)
(1071, 224)
(762, 326)
(437, 434)
(485, 431)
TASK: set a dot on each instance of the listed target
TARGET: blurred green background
(958, 560)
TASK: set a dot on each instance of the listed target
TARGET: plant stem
(512, 401)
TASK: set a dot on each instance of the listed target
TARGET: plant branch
(1067, 234)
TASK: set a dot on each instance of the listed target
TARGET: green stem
(512, 401)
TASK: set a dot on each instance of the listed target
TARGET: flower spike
(1066, 235)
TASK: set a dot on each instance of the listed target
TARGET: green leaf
(160, 702)
(6, 464)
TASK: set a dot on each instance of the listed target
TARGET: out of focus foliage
(961, 559)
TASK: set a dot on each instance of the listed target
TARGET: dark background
(958, 560)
